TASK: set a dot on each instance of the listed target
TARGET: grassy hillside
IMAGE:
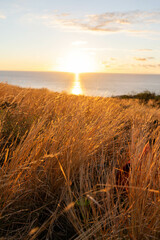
(62, 166)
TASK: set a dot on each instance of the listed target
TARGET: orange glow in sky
(117, 36)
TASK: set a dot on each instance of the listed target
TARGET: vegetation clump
(76, 167)
(144, 97)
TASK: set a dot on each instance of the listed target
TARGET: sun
(78, 62)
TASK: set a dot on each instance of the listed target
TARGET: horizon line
(52, 71)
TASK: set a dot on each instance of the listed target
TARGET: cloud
(140, 59)
(145, 50)
(95, 49)
(106, 64)
(111, 62)
(150, 58)
(113, 21)
(151, 65)
(143, 59)
(63, 15)
(134, 22)
(146, 65)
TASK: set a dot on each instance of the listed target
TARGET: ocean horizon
(89, 84)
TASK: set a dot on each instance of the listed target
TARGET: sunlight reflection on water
(77, 89)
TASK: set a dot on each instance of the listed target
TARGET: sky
(118, 36)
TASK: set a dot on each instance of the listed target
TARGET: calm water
(93, 84)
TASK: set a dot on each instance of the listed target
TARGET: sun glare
(78, 62)
(77, 89)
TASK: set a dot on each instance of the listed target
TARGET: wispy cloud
(113, 59)
(133, 21)
(143, 59)
(150, 65)
(145, 50)
(97, 49)
(140, 59)
(132, 67)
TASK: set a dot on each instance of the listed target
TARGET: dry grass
(59, 157)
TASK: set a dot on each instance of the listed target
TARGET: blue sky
(100, 35)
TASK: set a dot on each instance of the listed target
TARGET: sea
(89, 84)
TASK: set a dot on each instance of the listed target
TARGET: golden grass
(59, 158)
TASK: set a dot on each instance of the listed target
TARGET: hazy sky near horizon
(119, 36)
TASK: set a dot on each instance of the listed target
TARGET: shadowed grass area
(144, 97)
(60, 156)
